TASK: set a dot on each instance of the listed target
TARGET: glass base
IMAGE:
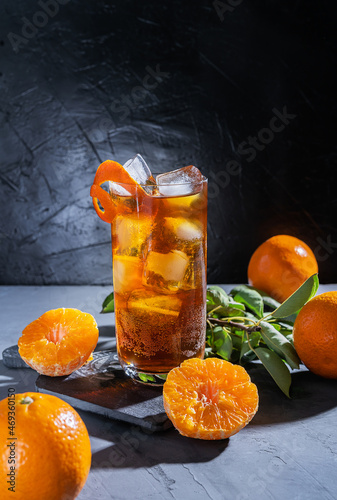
(148, 378)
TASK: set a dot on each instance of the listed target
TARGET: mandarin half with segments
(46, 444)
(281, 265)
(209, 399)
(59, 342)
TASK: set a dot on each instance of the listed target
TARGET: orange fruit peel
(114, 172)
(209, 399)
(59, 342)
(52, 448)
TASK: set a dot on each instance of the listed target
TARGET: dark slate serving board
(102, 387)
(12, 359)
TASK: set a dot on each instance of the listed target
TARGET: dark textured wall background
(76, 92)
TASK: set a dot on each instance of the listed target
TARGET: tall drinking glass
(159, 277)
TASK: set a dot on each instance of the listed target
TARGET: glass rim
(187, 183)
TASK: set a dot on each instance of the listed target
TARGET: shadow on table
(103, 383)
(106, 331)
(310, 395)
(135, 448)
(21, 379)
(106, 339)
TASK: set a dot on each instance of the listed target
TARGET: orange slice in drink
(144, 303)
(110, 171)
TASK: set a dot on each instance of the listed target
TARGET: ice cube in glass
(127, 273)
(180, 182)
(165, 271)
(132, 233)
(139, 170)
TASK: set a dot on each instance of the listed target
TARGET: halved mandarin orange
(59, 342)
(209, 399)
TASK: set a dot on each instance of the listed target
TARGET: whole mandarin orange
(280, 265)
(315, 334)
(50, 448)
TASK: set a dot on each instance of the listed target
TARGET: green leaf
(248, 357)
(220, 311)
(224, 305)
(286, 325)
(146, 378)
(233, 312)
(250, 298)
(223, 345)
(286, 333)
(276, 368)
(251, 316)
(254, 339)
(208, 352)
(277, 326)
(297, 300)
(210, 306)
(209, 333)
(108, 304)
(236, 305)
(237, 342)
(278, 343)
(290, 338)
(217, 296)
(270, 302)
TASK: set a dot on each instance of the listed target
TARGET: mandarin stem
(240, 326)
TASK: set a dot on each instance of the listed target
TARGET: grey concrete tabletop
(289, 450)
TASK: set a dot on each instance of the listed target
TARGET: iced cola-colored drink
(159, 274)
(158, 229)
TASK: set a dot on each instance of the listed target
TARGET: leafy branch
(224, 322)
(247, 325)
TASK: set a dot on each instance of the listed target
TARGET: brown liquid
(159, 271)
